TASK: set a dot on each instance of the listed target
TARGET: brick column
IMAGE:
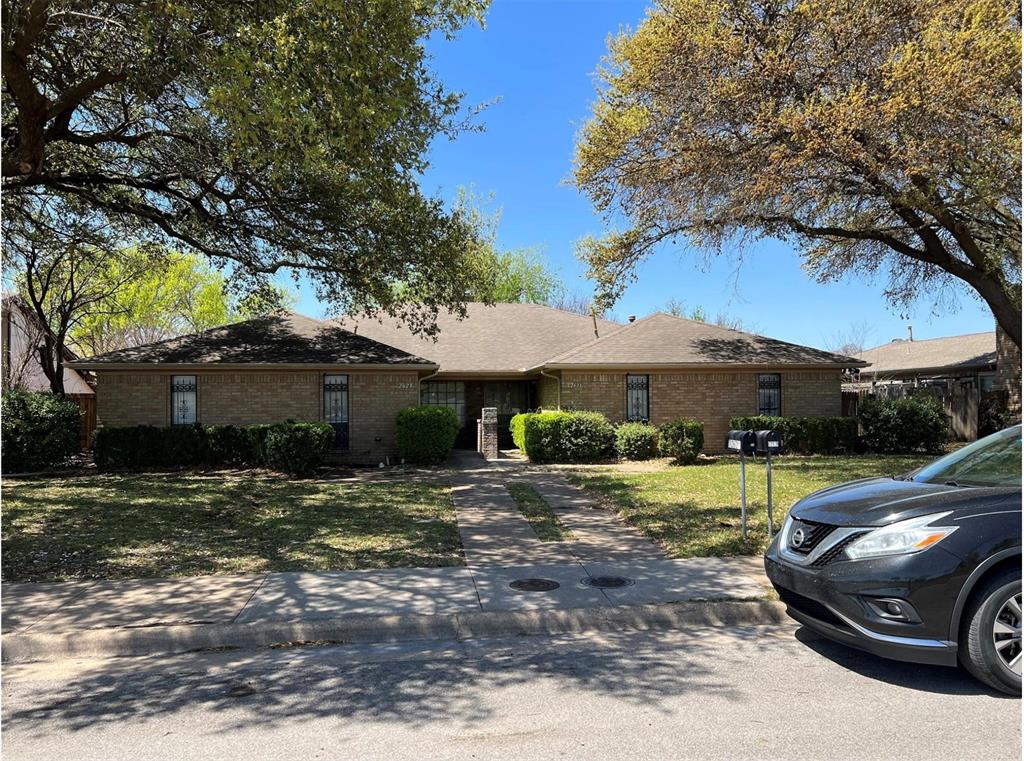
(487, 438)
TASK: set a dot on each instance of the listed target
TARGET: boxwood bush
(296, 448)
(805, 435)
(682, 440)
(565, 436)
(426, 434)
(901, 426)
(517, 427)
(40, 430)
(636, 441)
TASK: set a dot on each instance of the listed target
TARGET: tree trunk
(1005, 308)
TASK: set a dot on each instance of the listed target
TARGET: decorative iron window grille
(638, 398)
(769, 394)
(184, 410)
(445, 394)
(336, 408)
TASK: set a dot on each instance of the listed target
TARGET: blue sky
(537, 59)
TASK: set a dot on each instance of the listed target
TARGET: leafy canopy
(883, 137)
(271, 136)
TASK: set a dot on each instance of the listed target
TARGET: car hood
(879, 501)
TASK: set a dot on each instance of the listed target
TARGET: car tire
(978, 652)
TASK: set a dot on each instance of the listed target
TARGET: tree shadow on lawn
(116, 526)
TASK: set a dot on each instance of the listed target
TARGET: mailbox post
(769, 443)
(743, 442)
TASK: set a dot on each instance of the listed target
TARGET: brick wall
(249, 397)
(1008, 370)
(711, 397)
(547, 393)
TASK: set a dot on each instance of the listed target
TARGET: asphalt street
(749, 693)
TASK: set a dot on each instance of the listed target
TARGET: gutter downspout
(558, 380)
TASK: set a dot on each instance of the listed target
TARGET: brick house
(356, 373)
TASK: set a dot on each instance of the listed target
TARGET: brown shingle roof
(502, 338)
(282, 338)
(662, 339)
(974, 350)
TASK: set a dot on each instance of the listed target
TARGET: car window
(992, 461)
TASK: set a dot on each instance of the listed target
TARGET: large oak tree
(881, 136)
(267, 135)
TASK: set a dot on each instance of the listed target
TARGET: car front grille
(835, 552)
(814, 534)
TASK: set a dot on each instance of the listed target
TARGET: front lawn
(120, 526)
(693, 511)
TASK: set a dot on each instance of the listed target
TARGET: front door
(336, 408)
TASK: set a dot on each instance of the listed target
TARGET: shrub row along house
(357, 373)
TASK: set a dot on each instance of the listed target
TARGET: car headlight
(902, 538)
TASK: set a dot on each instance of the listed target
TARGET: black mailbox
(741, 442)
(768, 442)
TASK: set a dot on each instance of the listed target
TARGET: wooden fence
(86, 403)
(960, 399)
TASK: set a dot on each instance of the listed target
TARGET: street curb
(154, 640)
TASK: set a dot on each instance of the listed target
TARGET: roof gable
(663, 339)
(498, 338)
(280, 338)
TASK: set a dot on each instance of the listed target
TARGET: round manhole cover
(607, 582)
(534, 585)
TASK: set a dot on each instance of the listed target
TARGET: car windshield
(992, 461)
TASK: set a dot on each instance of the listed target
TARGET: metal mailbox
(741, 442)
(768, 442)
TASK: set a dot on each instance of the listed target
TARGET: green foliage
(40, 430)
(994, 412)
(852, 129)
(290, 447)
(682, 440)
(426, 435)
(568, 437)
(517, 426)
(902, 426)
(636, 441)
(265, 136)
(231, 445)
(298, 448)
(805, 435)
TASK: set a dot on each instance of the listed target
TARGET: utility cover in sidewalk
(534, 585)
(607, 582)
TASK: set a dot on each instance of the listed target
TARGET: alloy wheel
(1006, 634)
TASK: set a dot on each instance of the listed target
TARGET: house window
(336, 408)
(445, 394)
(184, 410)
(638, 399)
(769, 394)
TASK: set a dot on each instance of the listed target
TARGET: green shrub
(40, 430)
(182, 446)
(636, 441)
(805, 435)
(682, 440)
(257, 436)
(426, 435)
(899, 426)
(517, 427)
(298, 448)
(567, 437)
(229, 445)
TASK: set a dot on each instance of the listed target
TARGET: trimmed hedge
(903, 426)
(297, 448)
(426, 434)
(805, 435)
(564, 436)
(636, 441)
(682, 440)
(40, 430)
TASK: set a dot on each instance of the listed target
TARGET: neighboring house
(933, 361)
(356, 373)
(20, 334)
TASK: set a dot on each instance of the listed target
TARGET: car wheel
(990, 645)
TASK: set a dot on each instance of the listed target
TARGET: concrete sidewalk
(53, 621)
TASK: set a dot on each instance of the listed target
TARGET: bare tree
(851, 341)
(577, 303)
